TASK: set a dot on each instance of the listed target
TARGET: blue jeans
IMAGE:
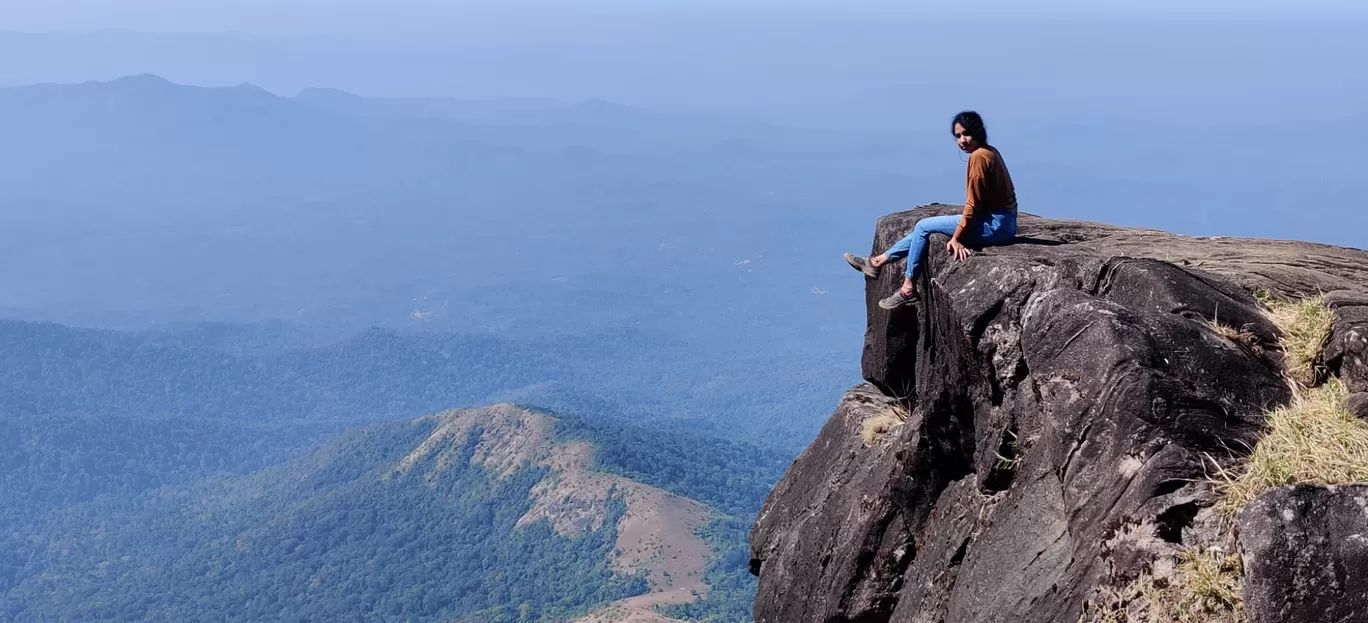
(997, 228)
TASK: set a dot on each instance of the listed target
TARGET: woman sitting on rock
(989, 218)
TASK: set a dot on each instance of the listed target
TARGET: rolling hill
(475, 515)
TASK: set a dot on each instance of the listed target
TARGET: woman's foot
(863, 265)
(904, 297)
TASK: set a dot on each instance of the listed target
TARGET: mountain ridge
(657, 534)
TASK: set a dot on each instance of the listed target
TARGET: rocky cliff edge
(1054, 413)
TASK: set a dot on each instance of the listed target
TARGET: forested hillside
(332, 536)
(141, 465)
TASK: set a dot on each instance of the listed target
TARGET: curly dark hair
(973, 124)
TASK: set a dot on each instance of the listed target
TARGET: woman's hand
(958, 250)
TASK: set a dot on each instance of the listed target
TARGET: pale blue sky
(820, 64)
(429, 18)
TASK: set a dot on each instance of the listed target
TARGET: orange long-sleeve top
(988, 188)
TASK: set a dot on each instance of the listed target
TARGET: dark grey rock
(832, 537)
(1346, 352)
(1358, 405)
(1064, 391)
(1233, 266)
(1305, 552)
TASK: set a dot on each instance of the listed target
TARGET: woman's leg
(913, 247)
(996, 230)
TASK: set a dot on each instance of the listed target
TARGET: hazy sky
(818, 64)
(1220, 121)
(431, 18)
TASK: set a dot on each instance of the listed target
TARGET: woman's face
(962, 138)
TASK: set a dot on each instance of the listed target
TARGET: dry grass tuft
(1210, 585)
(1205, 588)
(1305, 325)
(1313, 440)
(1208, 590)
(1245, 339)
(877, 426)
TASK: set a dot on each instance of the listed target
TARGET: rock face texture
(1358, 405)
(1346, 353)
(1064, 393)
(1305, 551)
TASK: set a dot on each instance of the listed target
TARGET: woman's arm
(975, 183)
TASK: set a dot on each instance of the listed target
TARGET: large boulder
(1305, 552)
(1066, 394)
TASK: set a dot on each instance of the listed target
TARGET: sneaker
(899, 299)
(862, 264)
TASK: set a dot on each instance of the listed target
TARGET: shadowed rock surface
(1305, 552)
(1358, 405)
(1063, 392)
(1346, 352)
